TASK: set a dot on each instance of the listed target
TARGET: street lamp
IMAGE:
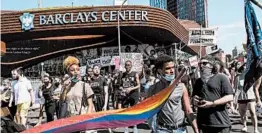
(118, 28)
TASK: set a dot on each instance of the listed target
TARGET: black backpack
(7, 123)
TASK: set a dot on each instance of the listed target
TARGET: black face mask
(46, 83)
(206, 72)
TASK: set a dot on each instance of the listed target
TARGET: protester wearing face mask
(212, 91)
(171, 118)
(76, 97)
(48, 93)
(99, 85)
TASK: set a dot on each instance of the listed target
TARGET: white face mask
(169, 77)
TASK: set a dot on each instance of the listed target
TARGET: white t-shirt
(21, 89)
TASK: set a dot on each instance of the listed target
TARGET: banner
(93, 62)
(110, 51)
(202, 36)
(105, 61)
(135, 58)
(102, 61)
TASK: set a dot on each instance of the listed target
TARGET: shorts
(23, 108)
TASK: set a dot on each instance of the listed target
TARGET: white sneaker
(256, 131)
(244, 129)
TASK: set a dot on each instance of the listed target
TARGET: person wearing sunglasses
(212, 91)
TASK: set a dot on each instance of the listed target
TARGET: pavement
(143, 128)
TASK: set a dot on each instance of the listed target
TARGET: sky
(227, 15)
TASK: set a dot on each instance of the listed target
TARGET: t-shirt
(216, 87)
(48, 93)
(74, 98)
(129, 80)
(21, 89)
(98, 84)
(172, 112)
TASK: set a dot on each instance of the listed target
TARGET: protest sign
(105, 61)
(135, 58)
(202, 36)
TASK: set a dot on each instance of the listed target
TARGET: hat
(69, 61)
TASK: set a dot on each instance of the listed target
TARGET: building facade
(195, 10)
(159, 4)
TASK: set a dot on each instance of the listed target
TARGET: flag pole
(256, 2)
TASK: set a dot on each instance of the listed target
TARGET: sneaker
(244, 129)
(256, 131)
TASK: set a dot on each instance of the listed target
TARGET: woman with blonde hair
(76, 97)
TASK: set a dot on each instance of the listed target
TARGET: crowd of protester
(205, 96)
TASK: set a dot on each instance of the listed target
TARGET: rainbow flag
(109, 119)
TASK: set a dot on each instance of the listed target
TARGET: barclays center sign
(82, 17)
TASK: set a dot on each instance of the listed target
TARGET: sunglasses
(204, 63)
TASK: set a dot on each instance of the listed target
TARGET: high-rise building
(159, 3)
(185, 9)
(192, 10)
(235, 52)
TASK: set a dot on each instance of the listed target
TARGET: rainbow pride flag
(109, 119)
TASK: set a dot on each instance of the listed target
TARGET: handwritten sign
(204, 36)
(135, 58)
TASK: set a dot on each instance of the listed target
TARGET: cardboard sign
(202, 36)
(135, 58)
(105, 61)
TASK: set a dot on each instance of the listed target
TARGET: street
(143, 128)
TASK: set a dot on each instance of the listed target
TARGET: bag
(62, 112)
(9, 126)
(84, 97)
(63, 105)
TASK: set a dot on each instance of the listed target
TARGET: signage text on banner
(203, 36)
(135, 58)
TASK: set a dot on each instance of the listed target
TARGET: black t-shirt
(98, 84)
(157, 87)
(129, 80)
(48, 92)
(217, 87)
